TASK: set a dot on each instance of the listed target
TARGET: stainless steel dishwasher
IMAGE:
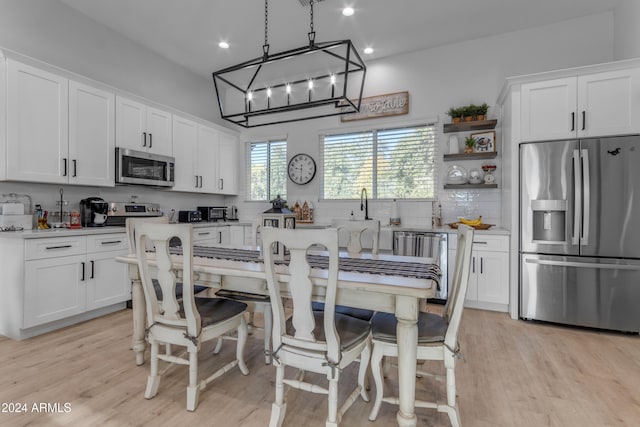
(425, 244)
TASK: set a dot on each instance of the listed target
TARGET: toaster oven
(213, 213)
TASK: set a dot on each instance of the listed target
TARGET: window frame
(430, 122)
(248, 164)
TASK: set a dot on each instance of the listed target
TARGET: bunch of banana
(471, 222)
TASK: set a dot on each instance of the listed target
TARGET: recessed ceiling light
(347, 11)
(368, 50)
(223, 45)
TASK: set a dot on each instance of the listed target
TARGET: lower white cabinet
(61, 277)
(211, 236)
(489, 276)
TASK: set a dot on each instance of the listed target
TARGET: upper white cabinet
(59, 131)
(206, 159)
(143, 128)
(598, 104)
(37, 125)
(91, 135)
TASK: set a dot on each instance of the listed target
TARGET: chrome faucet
(364, 206)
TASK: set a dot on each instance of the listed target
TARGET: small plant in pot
(456, 114)
(481, 111)
(468, 112)
(469, 143)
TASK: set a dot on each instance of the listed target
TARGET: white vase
(454, 147)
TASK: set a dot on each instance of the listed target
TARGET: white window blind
(389, 163)
(267, 169)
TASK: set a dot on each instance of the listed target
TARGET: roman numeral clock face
(302, 169)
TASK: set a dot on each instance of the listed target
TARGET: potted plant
(469, 143)
(469, 112)
(456, 114)
(481, 111)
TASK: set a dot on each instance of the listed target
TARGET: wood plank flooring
(514, 374)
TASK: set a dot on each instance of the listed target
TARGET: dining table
(380, 282)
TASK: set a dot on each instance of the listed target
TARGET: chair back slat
(300, 288)
(460, 284)
(167, 311)
(131, 225)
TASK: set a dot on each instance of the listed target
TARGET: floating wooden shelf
(468, 186)
(466, 126)
(470, 156)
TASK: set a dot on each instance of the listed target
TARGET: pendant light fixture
(317, 80)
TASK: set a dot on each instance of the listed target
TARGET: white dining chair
(437, 336)
(256, 303)
(355, 230)
(323, 342)
(187, 322)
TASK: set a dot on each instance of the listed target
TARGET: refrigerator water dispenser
(549, 220)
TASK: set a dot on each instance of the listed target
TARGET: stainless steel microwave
(139, 167)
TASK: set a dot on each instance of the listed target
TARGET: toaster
(189, 216)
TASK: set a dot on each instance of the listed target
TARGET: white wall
(627, 29)
(54, 33)
(438, 79)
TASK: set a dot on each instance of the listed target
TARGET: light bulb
(269, 92)
(288, 88)
(250, 96)
(333, 79)
(368, 50)
(310, 84)
(347, 11)
(223, 45)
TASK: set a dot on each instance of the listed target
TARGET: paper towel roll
(395, 217)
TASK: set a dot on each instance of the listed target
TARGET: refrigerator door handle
(577, 202)
(584, 238)
(582, 264)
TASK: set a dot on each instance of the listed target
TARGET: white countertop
(417, 228)
(59, 232)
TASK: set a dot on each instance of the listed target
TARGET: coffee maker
(93, 212)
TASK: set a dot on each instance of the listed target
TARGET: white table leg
(137, 304)
(407, 330)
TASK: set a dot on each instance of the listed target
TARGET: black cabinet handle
(144, 139)
(573, 121)
(481, 265)
(82, 279)
(473, 265)
(220, 237)
(93, 265)
(111, 242)
(150, 140)
(57, 247)
(584, 119)
(64, 173)
(75, 167)
(221, 183)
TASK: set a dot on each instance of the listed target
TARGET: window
(267, 170)
(389, 163)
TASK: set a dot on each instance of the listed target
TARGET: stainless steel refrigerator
(580, 232)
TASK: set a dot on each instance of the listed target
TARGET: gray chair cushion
(350, 330)
(242, 296)
(431, 327)
(358, 313)
(215, 310)
(158, 289)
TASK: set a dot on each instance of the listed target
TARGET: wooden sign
(392, 104)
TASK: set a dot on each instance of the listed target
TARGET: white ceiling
(188, 31)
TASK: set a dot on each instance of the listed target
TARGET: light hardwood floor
(515, 374)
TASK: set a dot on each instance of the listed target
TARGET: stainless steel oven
(139, 167)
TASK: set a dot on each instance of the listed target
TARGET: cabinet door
(185, 141)
(207, 159)
(549, 110)
(236, 235)
(131, 126)
(107, 280)
(91, 136)
(37, 125)
(228, 164)
(159, 132)
(54, 288)
(609, 103)
(492, 269)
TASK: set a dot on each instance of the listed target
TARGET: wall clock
(302, 169)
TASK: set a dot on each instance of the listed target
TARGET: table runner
(358, 265)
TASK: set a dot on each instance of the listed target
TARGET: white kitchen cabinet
(228, 164)
(211, 236)
(589, 105)
(37, 125)
(59, 131)
(91, 135)
(142, 127)
(237, 235)
(63, 277)
(489, 276)
(206, 159)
